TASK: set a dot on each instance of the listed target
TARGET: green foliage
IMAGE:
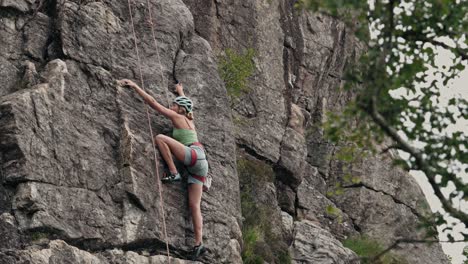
(249, 256)
(336, 191)
(253, 172)
(239, 120)
(397, 84)
(331, 210)
(235, 69)
(260, 243)
(465, 254)
(367, 248)
(334, 212)
(35, 236)
(349, 11)
(348, 179)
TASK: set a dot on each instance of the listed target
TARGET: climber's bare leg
(195, 194)
(168, 147)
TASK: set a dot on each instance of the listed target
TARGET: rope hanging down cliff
(149, 120)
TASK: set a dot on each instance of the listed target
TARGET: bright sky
(458, 88)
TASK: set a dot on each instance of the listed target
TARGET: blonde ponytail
(189, 115)
(183, 111)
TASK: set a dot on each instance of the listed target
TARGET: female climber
(185, 147)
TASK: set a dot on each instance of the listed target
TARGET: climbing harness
(149, 125)
(206, 180)
(207, 183)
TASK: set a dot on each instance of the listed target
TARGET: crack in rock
(397, 201)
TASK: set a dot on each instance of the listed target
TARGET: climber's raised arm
(149, 99)
(179, 89)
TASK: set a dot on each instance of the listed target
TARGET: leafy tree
(397, 94)
(235, 69)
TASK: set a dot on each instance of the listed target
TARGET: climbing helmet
(184, 102)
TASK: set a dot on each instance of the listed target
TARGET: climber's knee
(159, 138)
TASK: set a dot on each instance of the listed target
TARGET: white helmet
(184, 102)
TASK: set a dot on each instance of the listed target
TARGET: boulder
(312, 244)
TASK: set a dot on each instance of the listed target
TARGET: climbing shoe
(171, 178)
(198, 251)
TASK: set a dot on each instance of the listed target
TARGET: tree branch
(421, 164)
(387, 46)
(410, 36)
(387, 149)
(375, 258)
(462, 53)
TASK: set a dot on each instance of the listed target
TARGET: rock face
(312, 244)
(76, 159)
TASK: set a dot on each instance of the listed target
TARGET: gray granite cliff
(76, 174)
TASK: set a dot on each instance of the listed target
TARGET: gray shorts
(196, 154)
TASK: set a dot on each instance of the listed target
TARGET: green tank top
(185, 136)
